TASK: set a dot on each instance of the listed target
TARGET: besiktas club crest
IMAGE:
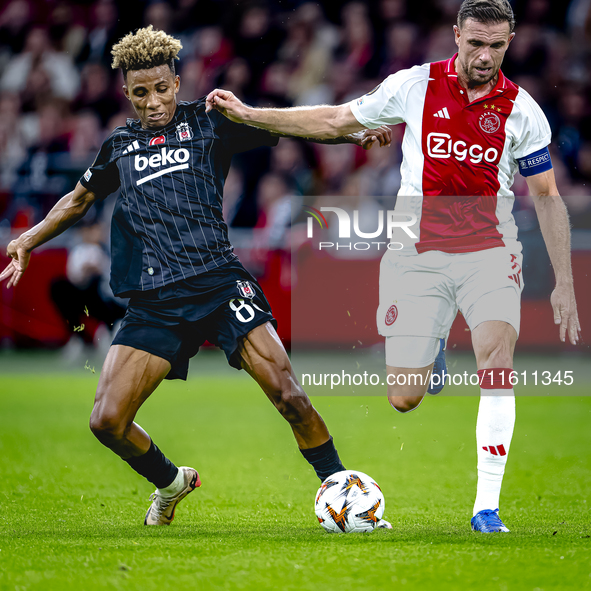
(184, 132)
(489, 122)
(246, 289)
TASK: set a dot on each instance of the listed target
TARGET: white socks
(494, 430)
(175, 487)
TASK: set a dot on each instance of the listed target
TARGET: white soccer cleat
(383, 524)
(161, 511)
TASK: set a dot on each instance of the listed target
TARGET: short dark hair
(487, 11)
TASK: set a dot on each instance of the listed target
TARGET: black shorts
(174, 329)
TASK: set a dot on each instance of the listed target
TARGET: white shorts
(411, 352)
(421, 294)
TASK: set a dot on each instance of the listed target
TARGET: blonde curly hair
(145, 49)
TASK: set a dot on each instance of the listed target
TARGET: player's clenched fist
(20, 260)
(227, 104)
(382, 135)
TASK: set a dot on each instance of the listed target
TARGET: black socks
(324, 459)
(160, 471)
(155, 466)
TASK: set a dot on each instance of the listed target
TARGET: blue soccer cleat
(439, 369)
(487, 521)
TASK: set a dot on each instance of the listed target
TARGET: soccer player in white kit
(468, 131)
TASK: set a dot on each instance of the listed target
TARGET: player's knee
(499, 356)
(404, 403)
(106, 426)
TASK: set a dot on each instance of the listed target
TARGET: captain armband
(535, 163)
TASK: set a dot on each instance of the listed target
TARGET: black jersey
(167, 224)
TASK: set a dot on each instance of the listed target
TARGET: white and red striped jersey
(459, 157)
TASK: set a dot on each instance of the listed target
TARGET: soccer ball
(349, 501)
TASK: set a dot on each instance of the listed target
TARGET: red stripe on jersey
(462, 145)
(493, 450)
(501, 449)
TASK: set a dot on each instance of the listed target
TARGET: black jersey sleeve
(240, 138)
(102, 178)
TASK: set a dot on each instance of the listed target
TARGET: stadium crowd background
(59, 99)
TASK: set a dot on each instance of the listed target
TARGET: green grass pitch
(71, 512)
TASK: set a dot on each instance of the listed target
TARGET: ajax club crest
(391, 315)
(246, 289)
(489, 122)
(184, 132)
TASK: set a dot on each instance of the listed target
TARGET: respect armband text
(535, 163)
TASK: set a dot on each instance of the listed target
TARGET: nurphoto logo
(391, 221)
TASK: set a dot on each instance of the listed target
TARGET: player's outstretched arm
(319, 122)
(65, 213)
(367, 139)
(554, 223)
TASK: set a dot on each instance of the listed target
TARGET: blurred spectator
(12, 138)
(274, 211)
(96, 92)
(199, 71)
(380, 175)
(86, 139)
(275, 87)
(103, 34)
(159, 15)
(287, 160)
(336, 162)
(356, 48)
(448, 11)
(344, 83)
(65, 31)
(307, 51)
(236, 77)
(257, 39)
(392, 11)
(119, 119)
(440, 44)
(40, 180)
(401, 51)
(40, 71)
(14, 26)
(542, 12)
(84, 293)
(197, 13)
(574, 125)
(528, 54)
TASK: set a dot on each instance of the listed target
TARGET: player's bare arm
(555, 227)
(65, 213)
(272, 119)
(382, 136)
(320, 122)
(367, 139)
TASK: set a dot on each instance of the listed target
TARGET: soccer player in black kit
(172, 258)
